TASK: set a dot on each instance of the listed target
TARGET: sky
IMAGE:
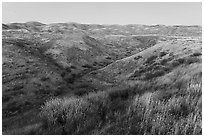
(173, 13)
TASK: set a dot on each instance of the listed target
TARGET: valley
(71, 78)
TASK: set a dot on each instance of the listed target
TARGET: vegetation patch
(110, 112)
(138, 57)
(83, 89)
(187, 60)
(150, 59)
(190, 60)
(54, 62)
(151, 75)
(196, 54)
(162, 53)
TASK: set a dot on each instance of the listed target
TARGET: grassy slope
(163, 56)
(155, 103)
(47, 53)
(28, 80)
(39, 65)
(176, 111)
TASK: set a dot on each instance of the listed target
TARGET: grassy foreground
(128, 111)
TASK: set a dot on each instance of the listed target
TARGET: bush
(151, 58)
(165, 60)
(175, 63)
(190, 60)
(196, 54)
(151, 75)
(137, 57)
(108, 57)
(83, 88)
(105, 107)
(93, 73)
(81, 91)
(44, 78)
(136, 73)
(162, 53)
(69, 77)
(178, 107)
(121, 93)
(88, 66)
(181, 60)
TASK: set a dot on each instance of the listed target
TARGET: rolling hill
(81, 66)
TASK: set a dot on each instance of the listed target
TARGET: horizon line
(102, 24)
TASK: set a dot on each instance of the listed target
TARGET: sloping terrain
(165, 56)
(72, 64)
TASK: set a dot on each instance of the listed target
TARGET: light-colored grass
(147, 113)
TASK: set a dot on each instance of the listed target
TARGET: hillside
(166, 55)
(102, 71)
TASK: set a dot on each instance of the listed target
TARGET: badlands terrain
(71, 78)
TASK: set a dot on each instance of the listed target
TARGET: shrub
(137, 57)
(160, 68)
(175, 63)
(178, 107)
(181, 60)
(179, 84)
(93, 73)
(44, 78)
(81, 91)
(106, 108)
(196, 54)
(165, 60)
(72, 67)
(87, 66)
(162, 53)
(164, 95)
(136, 73)
(69, 77)
(101, 102)
(119, 93)
(190, 60)
(150, 59)
(6, 98)
(151, 75)
(108, 57)
(83, 88)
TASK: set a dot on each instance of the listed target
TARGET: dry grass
(148, 113)
(48, 60)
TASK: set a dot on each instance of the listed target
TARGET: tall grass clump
(128, 112)
(69, 116)
(84, 115)
(151, 114)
